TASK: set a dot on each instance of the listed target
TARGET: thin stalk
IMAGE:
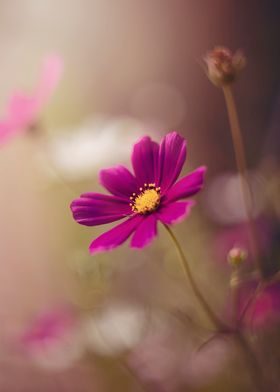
(187, 271)
(250, 301)
(254, 366)
(135, 380)
(234, 284)
(242, 168)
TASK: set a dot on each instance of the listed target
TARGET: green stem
(234, 284)
(254, 366)
(252, 361)
(135, 380)
(241, 163)
(250, 301)
(187, 271)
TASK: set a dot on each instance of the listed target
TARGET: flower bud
(223, 66)
(236, 256)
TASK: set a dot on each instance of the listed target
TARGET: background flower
(54, 340)
(23, 110)
(96, 142)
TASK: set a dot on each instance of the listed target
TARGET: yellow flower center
(147, 200)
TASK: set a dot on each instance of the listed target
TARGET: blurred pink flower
(264, 309)
(157, 360)
(48, 326)
(54, 340)
(23, 110)
(168, 358)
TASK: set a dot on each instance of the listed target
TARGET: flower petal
(145, 160)
(92, 209)
(172, 156)
(145, 232)
(187, 186)
(119, 181)
(116, 236)
(175, 212)
(50, 77)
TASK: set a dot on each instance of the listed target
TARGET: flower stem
(249, 355)
(234, 284)
(250, 301)
(254, 366)
(242, 168)
(135, 380)
(187, 271)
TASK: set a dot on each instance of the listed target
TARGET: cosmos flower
(23, 110)
(54, 340)
(148, 196)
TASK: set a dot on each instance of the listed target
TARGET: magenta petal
(187, 186)
(175, 212)
(145, 232)
(116, 236)
(119, 181)
(145, 160)
(92, 209)
(172, 156)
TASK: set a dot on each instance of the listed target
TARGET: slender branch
(187, 271)
(250, 301)
(136, 381)
(254, 366)
(242, 168)
(261, 286)
(234, 284)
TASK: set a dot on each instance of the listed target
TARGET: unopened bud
(223, 66)
(236, 256)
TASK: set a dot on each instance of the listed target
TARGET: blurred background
(131, 68)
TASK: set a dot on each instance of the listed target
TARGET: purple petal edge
(116, 236)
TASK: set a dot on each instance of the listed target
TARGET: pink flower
(23, 110)
(264, 309)
(54, 340)
(49, 326)
(148, 196)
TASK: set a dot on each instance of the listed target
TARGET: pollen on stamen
(147, 200)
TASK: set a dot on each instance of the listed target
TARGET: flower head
(223, 66)
(23, 110)
(142, 198)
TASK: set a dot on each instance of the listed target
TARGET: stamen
(147, 200)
